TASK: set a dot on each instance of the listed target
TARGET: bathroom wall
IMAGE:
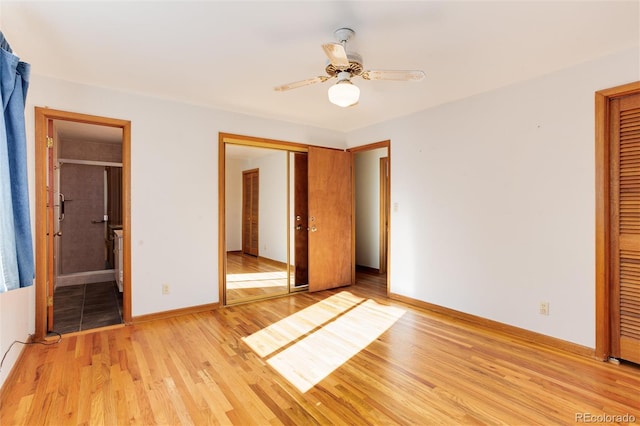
(90, 150)
(84, 244)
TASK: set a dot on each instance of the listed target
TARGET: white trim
(88, 162)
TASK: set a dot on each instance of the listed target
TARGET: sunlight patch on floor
(287, 330)
(308, 361)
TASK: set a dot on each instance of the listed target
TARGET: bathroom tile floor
(86, 306)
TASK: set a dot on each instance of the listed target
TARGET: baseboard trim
(15, 367)
(174, 313)
(368, 270)
(510, 330)
(53, 338)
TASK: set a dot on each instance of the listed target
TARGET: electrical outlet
(165, 288)
(544, 308)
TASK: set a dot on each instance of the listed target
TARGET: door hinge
(50, 301)
(49, 142)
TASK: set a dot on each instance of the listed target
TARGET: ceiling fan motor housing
(355, 66)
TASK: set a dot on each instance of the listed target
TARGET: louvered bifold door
(250, 211)
(625, 229)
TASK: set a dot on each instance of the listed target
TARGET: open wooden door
(625, 228)
(330, 216)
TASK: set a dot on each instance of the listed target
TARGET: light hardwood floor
(198, 369)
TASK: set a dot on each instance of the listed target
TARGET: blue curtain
(16, 246)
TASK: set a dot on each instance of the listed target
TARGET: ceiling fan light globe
(344, 94)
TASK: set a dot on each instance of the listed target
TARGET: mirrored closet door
(265, 228)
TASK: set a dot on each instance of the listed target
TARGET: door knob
(298, 227)
(313, 228)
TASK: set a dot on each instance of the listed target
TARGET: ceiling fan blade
(336, 54)
(289, 86)
(400, 75)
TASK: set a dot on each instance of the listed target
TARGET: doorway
(617, 224)
(371, 167)
(82, 216)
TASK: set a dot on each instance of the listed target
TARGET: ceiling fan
(344, 66)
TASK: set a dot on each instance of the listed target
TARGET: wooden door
(301, 217)
(250, 210)
(330, 216)
(625, 228)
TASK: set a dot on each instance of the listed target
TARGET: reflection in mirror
(256, 222)
(299, 215)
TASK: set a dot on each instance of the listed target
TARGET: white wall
(495, 197)
(233, 203)
(17, 322)
(367, 187)
(174, 193)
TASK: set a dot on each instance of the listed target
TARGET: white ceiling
(230, 55)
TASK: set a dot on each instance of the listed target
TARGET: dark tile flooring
(86, 306)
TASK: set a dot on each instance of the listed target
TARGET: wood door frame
(603, 198)
(53, 266)
(384, 213)
(42, 115)
(369, 147)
